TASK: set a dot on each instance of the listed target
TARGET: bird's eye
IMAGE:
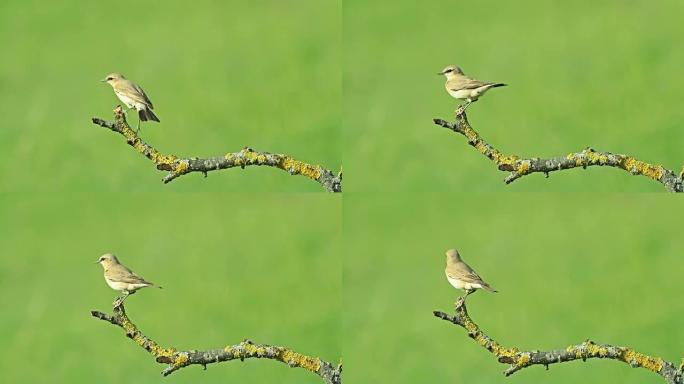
(109, 78)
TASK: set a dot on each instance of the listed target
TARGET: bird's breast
(459, 94)
(456, 283)
(116, 285)
(130, 103)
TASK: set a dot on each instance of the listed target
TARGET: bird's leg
(119, 300)
(126, 294)
(461, 300)
(462, 108)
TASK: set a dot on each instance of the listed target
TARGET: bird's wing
(462, 271)
(133, 92)
(147, 99)
(467, 83)
(124, 275)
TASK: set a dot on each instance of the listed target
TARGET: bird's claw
(462, 108)
(461, 300)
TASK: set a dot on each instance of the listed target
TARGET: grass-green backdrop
(267, 268)
(568, 267)
(222, 75)
(581, 73)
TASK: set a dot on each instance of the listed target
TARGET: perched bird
(132, 95)
(120, 278)
(461, 276)
(462, 87)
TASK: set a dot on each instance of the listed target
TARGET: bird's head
(107, 259)
(452, 256)
(112, 78)
(451, 71)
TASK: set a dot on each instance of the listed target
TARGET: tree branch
(518, 359)
(519, 167)
(244, 350)
(246, 157)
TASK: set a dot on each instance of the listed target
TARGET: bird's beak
(97, 262)
(440, 73)
(104, 80)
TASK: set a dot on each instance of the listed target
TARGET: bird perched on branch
(461, 276)
(462, 87)
(133, 96)
(120, 278)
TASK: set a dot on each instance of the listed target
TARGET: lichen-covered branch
(519, 167)
(518, 359)
(244, 158)
(244, 350)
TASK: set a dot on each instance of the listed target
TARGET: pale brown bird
(132, 95)
(462, 87)
(120, 278)
(461, 276)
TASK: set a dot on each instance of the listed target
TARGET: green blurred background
(222, 75)
(567, 266)
(232, 267)
(581, 73)
(268, 266)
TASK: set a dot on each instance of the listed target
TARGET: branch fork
(519, 167)
(246, 349)
(518, 359)
(245, 157)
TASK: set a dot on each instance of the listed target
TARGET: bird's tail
(490, 289)
(498, 85)
(147, 114)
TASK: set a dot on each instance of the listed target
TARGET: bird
(133, 96)
(462, 87)
(120, 278)
(461, 276)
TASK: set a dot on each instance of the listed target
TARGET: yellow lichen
(635, 166)
(298, 167)
(143, 341)
(501, 159)
(295, 359)
(596, 350)
(181, 167)
(181, 360)
(285, 163)
(253, 349)
(523, 167)
(637, 359)
(596, 157)
(577, 159)
(500, 351)
(488, 343)
(471, 135)
(159, 158)
(523, 360)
